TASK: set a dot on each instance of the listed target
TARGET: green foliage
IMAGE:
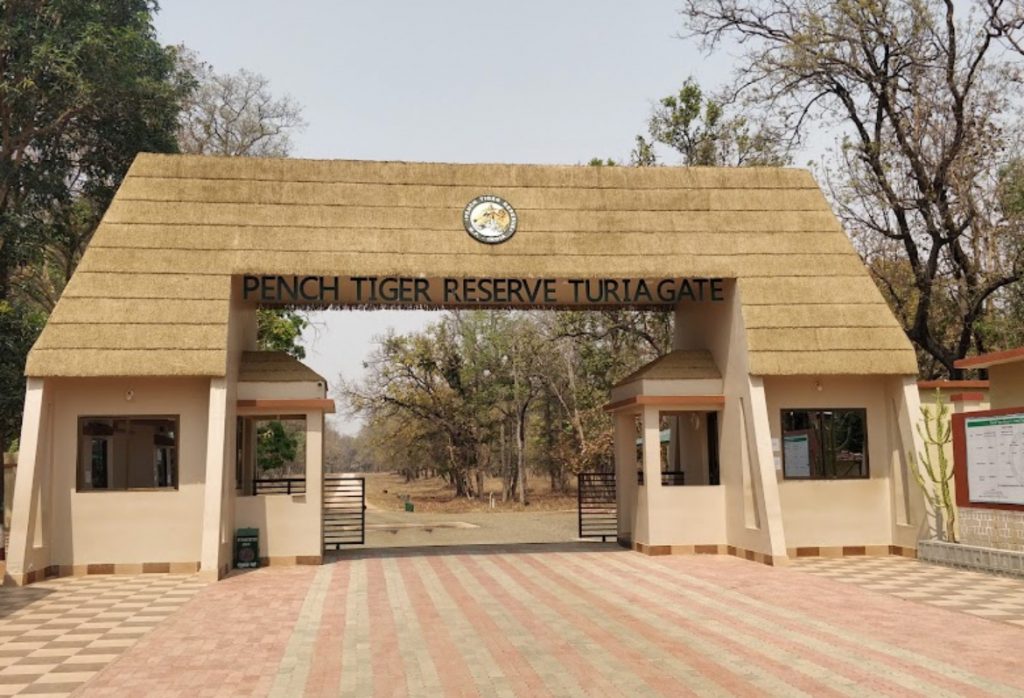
(85, 86)
(276, 446)
(701, 130)
(281, 330)
(932, 469)
(18, 330)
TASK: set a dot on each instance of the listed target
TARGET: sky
(531, 81)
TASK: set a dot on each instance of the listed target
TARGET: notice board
(988, 451)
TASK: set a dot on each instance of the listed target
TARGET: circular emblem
(490, 219)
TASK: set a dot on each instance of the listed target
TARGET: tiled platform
(55, 635)
(560, 620)
(975, 593)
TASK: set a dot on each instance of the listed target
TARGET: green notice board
(247, 548)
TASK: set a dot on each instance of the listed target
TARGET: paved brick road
(564, 621)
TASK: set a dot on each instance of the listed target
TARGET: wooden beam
(991, 359)
(666, 401)
(289, 406)
(960, 385)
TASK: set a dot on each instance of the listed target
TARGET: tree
(236, 115)
(276, 445)
(281, 330)
(500, 393)
(84, 86)
(704, 133)
(924, 93)
(421, 381)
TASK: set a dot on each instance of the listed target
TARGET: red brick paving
(530, 623)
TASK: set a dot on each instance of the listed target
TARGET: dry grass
(387, 491)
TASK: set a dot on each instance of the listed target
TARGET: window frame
(866, 475)
(175, 478)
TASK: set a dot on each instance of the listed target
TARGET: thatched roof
(676, 365)
(152, 293)
(275, 367)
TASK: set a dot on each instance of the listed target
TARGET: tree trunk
(521, 452)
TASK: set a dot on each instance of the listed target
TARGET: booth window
(825, 444)
(127, 453)
(275, 454)
(689, 448)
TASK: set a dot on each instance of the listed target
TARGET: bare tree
(925, 94)
(235, 114)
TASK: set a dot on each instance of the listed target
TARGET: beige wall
(9, 470)
(99, 527)
(219, 508)
(290, 525)
(677, 515)
(847, 512)
(737, 510)
(1006, 387)
(750, 501)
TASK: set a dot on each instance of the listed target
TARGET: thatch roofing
(152, 293)
(676, 365)
(275, 367)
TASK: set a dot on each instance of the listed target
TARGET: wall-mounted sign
(797, 453)
(495, 292)
(995, 458)
(490, 219)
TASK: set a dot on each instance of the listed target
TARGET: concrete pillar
(652, 473)
(213, 487)
(315, 469)
(908, 409)
(27, 558)
(625, 475)
(767, 485)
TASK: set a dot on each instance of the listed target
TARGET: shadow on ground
(472, 549)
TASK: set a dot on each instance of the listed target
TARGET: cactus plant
(933, 469)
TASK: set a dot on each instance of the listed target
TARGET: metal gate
(344, 511)
(598, 514)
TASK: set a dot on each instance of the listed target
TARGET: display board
(797, 454)
(994, 446)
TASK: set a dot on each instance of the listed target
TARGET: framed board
(988, 455)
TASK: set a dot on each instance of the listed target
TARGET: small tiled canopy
(152, 293)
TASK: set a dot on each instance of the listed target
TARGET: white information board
(995, 458)
(797, 453)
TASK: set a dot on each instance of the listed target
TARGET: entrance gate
(344, 511)
(598, 513)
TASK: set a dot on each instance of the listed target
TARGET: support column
(213, 486)
(625, 476)
(908, 408)
(26, 564)
(315, 475)
(757, 421)
(648, 505)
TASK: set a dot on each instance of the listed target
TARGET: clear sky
(532, 81)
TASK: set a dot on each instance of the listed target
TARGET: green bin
(247, 548)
